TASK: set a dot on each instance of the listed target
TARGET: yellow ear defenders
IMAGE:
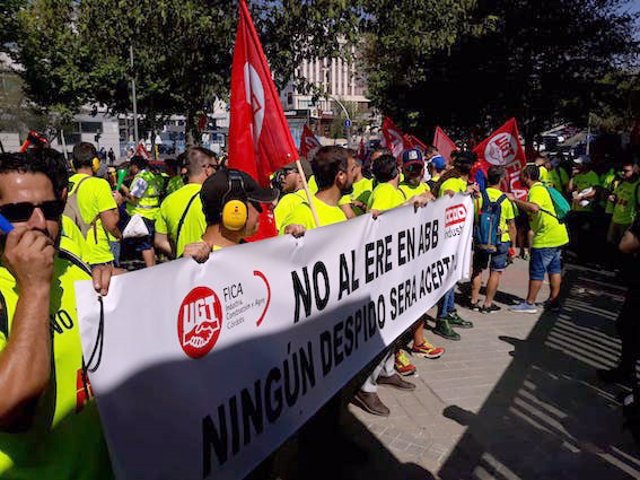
(234, 208)
(95, 164)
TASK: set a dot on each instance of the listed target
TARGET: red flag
(503, 148)
(412, 141)
(444, 144)
(260, 141)
(362, 150)
(202, 121)
(141, 151)
(308, 142)
(393, 137)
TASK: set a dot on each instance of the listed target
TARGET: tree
(76, 53)
(541, 62)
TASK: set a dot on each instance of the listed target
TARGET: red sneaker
(403, 364)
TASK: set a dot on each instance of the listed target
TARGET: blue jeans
(446, 304)
(544, 260)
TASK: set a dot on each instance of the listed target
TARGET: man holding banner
(231, 203)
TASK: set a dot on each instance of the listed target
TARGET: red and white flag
(141, 151)
(308, 142)
(444, 144)
(260, 141)
(503, 148)
(412, 141)
(362, 150)
(393, 137)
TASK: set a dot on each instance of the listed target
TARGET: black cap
(217, 187)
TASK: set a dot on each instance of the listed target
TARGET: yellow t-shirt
(361, 192)
(456, 185)
(581, 182)
(547, 231)
(71, 239)
(627, 202)
(385, 197)
(507, 212)
(94, 197)
(411, 191)
(302, 215)
(65, 439)
(313, 186)
(544, 175)
(285, 206)
(171, 211)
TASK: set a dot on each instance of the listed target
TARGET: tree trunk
(192, 136)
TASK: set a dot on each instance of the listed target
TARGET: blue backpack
(486, 235)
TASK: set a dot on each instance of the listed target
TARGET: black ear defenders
(234, 204)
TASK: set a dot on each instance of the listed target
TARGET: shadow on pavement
(350, 453)
(549, 416)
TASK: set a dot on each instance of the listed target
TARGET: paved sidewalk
(517, 398)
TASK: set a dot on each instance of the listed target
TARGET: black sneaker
(476, 307)
(491, 308)
(614, 375)
(551, 306)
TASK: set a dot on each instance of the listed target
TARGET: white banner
(206, 369)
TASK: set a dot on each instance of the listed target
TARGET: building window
(90, 127)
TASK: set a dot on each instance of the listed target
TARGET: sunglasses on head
(22, 212)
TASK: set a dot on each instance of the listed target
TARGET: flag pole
(305, 185)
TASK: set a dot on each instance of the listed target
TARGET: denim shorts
(497, 261)
(544, 260)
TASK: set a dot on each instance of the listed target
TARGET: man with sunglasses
(49, 427)
(289, 182)
(181, 220)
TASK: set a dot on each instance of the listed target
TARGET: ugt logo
(199, 322)
(501, 149)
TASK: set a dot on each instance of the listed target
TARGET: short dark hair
(327, 163)
(47, 161)
(495, 174)
(532, 172)
(463, 161)
(385, 168)
(83, 155)
(139, 162)
(193, 158)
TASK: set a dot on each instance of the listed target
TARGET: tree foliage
(488, 60)
(76, 53)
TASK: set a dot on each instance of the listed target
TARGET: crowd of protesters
(74, 222)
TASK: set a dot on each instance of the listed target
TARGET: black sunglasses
(21, 212)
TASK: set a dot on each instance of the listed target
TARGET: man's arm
(25, 362)
(348, 211)
(513, 233)
(110, 219)
(161, 242)
(523, 205)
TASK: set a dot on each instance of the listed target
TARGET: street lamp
(347, 123)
